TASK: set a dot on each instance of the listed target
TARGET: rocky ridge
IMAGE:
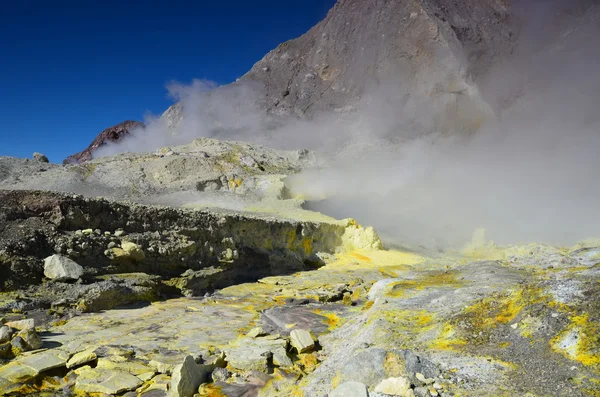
(110, 135)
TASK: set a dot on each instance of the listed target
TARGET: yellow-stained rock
(98, 380)
(80, 358)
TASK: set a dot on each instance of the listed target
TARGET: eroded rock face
(428, 53)
(111, 134)
(198, 250)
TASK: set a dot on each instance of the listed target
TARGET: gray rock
(100, 380)
(80, 358)
(302, 340)
(416, 364)
(40, 157)
(350, 389)
(61, 268)
(21, 324)
(5, 334)
(31, 339)
(274, 320)
(19, 345)
(220, 375)
(45, 360)
(186, 379)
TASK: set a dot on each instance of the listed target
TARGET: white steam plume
(529, 174)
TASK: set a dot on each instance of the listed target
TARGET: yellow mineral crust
(580, 341)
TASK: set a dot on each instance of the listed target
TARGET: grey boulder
(60, 268)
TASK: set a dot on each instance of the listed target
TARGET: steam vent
(402, 201)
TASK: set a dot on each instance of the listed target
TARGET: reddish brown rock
(112, 134)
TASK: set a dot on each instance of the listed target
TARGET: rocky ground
(108, 297)
(489, 322)
(192, 271)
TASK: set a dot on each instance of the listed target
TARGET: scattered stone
(350, 389)
(5, 334)
(98, 380)
(281, 359)
(120, 233)
(253, 354)
(40, 157)
(21, 324)
(256, 332)
(61, 268)
(45, 360)
(133, 251)
(421, 378)
(18, 345)
(186, 378)
(163, 366)
(15, 373)
(220, 375)
(80, 358)
(87, 231)
(31, 339)
(6, 350)
(159, 384)
(130, 365)
(395, 387)
(302, 340)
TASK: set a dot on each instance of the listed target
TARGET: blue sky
(69, 69)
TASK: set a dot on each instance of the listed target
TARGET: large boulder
(40, 157)
(61, 268)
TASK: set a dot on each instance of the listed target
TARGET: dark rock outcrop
(196, 250)
(112, 134)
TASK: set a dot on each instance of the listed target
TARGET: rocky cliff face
(410, 52)
(111, 134)
(432, 47)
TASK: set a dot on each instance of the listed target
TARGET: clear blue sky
(69, 69)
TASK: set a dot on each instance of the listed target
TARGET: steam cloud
(529, 174)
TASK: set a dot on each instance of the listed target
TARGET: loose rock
(5, 334)
(31, 339)
(395, 387)
(60, 268)
(21, 324)
(105, 381)
(80, 358)
(302, 340)
(350, 389)
(186, 378)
